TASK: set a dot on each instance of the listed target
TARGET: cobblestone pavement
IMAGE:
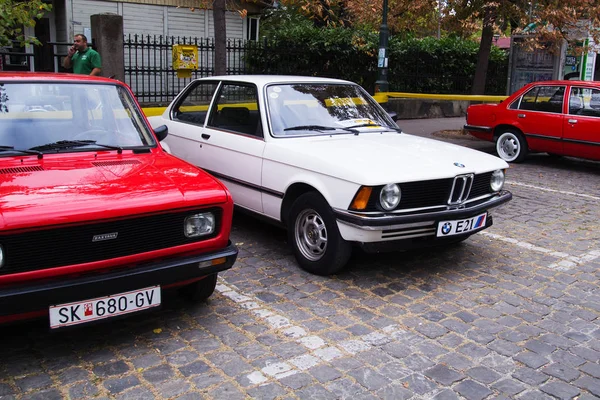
(510, 313)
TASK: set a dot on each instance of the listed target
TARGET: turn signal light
(361, 199)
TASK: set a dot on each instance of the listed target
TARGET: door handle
(572, 121)
(205, 136)
(520, 115)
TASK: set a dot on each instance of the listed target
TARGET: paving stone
(504, 347)
(118, 385)
(46, 394)
(530, 359)
(472, 390)
(591, 369)
(137, 393)
(561, 372)
(560, 390)
(324, 373)
(369, 378)
(418, 384)
(315, 392)
(226, 391)
(394, 391)
(172, 388)
(446, 394)
(111, 369)
(483, 375)
(297, 381)
(158, 374)
(444, 375)
(530, 376)
(345, 388)
(83, 390)
(474, 350)
(195, 368)
(267, 392)
(38, 381)
(590, 384)
(510, 387)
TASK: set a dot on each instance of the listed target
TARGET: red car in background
(96, 220)
(556, 117)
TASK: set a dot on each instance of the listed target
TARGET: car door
(539, 115)
(233, 143)
(216, 126)
(582, 125)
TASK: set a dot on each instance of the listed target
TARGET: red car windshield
(36, 115)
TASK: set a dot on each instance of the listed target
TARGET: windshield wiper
(30, 151)
(319, 128)
(381, 126)
(69, 144)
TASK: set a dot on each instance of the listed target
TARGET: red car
(556, 117)
(96, 220)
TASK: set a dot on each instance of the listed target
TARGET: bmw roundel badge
(459, 165)
(446, 228)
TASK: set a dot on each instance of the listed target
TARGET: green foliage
(304, 49)
(446, 65)
(14, 15)
(424, 65)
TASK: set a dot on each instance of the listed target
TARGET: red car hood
(76, 187)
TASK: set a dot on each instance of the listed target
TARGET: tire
(313, 233)
(199, 290)
(511, 146)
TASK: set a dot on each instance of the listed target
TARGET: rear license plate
(103, 307)
(461, 226)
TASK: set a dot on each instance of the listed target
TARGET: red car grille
(48, 248)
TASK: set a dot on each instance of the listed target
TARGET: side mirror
(393, 115)
(161, 132)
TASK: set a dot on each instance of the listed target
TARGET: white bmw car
(324, 159)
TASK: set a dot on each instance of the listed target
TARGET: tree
(219, 8)
(547, 23)
(14, 15)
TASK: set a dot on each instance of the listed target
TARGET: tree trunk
(220, 37)
(483, 56)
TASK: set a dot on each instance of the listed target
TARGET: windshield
(53, 117)
(323, 109)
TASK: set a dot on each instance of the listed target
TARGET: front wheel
(199, 290)
(511, 146)
(314, 236)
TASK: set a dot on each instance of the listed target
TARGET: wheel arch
(501, 128)
(291, 194)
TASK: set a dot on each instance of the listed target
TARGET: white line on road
(566, 262)
(586, 196)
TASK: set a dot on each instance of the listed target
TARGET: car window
(584, 101)
(543, 98)
(37, 114)
(236, 110)
(323, 109)
(193, 107)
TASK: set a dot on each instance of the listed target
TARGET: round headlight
(390, 196)
(497, 181)
(199, 225)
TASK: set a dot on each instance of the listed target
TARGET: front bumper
(412, 226)
(27, 298)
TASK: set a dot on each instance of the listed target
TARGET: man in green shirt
(82, 58)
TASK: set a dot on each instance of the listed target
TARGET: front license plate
(103, 307)
(460, 226)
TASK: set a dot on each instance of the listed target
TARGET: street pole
(382, 84)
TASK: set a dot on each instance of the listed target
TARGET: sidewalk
(444, 129)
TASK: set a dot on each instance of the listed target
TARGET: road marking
(586, 196)
(319, 349)
(566, 261)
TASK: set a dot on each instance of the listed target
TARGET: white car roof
(262, 80)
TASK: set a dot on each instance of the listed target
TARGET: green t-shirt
(84, 63)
